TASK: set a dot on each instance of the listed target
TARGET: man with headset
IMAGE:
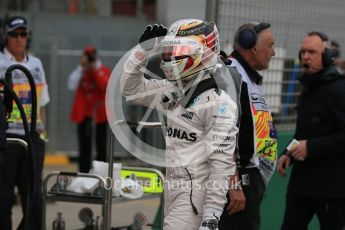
(13, 168)
(316, 184)
(257, 144)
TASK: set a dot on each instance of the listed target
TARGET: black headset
(2, 32)
(247, 37)
(327, 54)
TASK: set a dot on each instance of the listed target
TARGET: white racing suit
(200, 141)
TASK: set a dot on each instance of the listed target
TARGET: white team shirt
(22, 88)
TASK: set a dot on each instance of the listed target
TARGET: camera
(90, 57)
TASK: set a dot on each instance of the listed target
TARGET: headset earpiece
(327, 57)
(247, 37)
(2, 33)
(29, 39)
(300, 56)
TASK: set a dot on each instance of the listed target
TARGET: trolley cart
(104, 197)
(58, 191)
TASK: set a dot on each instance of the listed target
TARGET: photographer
(90, 80)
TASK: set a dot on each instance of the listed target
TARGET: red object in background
(129, 8)
(73, 7)
(121, 7)
(90, 50)
(150, 9)
(89, 99)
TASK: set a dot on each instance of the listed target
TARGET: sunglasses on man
(15, 34)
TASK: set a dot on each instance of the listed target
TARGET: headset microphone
(305, 65)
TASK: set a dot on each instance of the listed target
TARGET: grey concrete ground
(122, 213)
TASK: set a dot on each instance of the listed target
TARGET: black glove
(150, 33)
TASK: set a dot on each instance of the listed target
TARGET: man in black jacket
(316, 183)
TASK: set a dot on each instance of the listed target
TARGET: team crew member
(201, 129)
(316, 182)
(257, 143)
(13, 168)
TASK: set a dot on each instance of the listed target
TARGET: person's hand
(147, 39)
(283, 163)
(237, 201)
(211, 224)
(300, 152)
(210, 219)
(43, 135)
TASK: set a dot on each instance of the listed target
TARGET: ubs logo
(188, 115)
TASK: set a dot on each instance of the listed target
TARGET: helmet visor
(177, 47)
(169, 52)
